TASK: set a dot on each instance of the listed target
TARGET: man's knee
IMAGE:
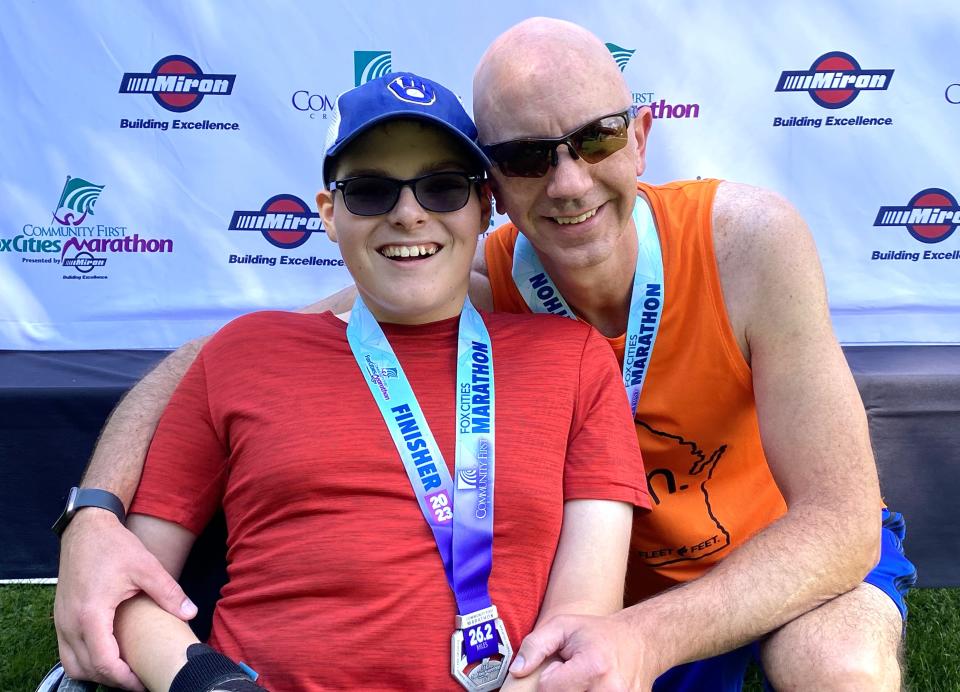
(850, 643)
(856, 670)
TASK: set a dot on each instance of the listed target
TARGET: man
(770, 530)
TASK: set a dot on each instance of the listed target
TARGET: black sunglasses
(532, 157)
(370, 195)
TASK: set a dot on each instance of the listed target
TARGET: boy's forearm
(152, 642)
(117, 461)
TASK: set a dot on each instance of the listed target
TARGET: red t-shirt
(334, 577)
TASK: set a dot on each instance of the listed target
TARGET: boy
(294, 424)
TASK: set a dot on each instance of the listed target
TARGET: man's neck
(600, 294)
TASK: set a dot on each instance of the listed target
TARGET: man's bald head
(543, 77)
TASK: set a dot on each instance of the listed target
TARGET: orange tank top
(696, 419)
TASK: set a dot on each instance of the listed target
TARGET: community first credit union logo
(833, 81)
(952, 94)
(286, 222)
(931, 216)
(178, 85)
(658, 109)
(75, 241)
(371, 64)
(367, 65)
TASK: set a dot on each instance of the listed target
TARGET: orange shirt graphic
(696, 419)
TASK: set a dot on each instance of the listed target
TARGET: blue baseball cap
(398, 95)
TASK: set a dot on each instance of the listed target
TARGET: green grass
(28, 645)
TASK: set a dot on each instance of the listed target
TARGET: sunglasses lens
(438, 192)
(597, 140)
(522, 159)
(370, 196)
(532, 158)
(443, 192)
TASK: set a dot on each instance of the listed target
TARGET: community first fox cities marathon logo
(661, 109)
(833, 81)
(286, 222)
(178, 85)
(931, 216)
(74, 240)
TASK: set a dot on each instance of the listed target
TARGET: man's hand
(102, 564)
(599, 654)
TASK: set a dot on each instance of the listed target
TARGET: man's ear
(486, 205)
(495, 191)
(641, 131)
(325, 207)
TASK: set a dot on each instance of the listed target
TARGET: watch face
(61, 524)
(71, 502)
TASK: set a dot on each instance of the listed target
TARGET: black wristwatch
(88, 497)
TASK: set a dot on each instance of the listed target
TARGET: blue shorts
(894, 575)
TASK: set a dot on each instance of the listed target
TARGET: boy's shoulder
(267, 326)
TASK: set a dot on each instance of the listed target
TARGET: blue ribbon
(646, 301)
(459, 511)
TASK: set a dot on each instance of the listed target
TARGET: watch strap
(89, 497)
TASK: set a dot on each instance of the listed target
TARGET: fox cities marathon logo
(833, 81)
(658, 109)
(931, 216)
(78, 197)
(286, 222)
(178, 85)
(73, 240)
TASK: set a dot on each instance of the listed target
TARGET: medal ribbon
(646, 300)
(459, 512)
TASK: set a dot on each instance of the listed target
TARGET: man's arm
(101, 563)
(815, 438)
(338, 303)
(588, 569)
(481, 295)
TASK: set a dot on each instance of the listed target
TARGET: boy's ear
(325, 207)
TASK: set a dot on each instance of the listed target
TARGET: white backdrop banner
(160, 160)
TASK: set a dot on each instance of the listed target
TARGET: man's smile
(568, 220)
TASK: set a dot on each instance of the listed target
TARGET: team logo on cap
(371, 64)
(284, 220)
(930, 217)
(620, 55)
(177, 83)
(412, 90)
(834, 80)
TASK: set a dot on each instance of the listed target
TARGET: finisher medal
(460, 514)
(480, 627)
(646, 301)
